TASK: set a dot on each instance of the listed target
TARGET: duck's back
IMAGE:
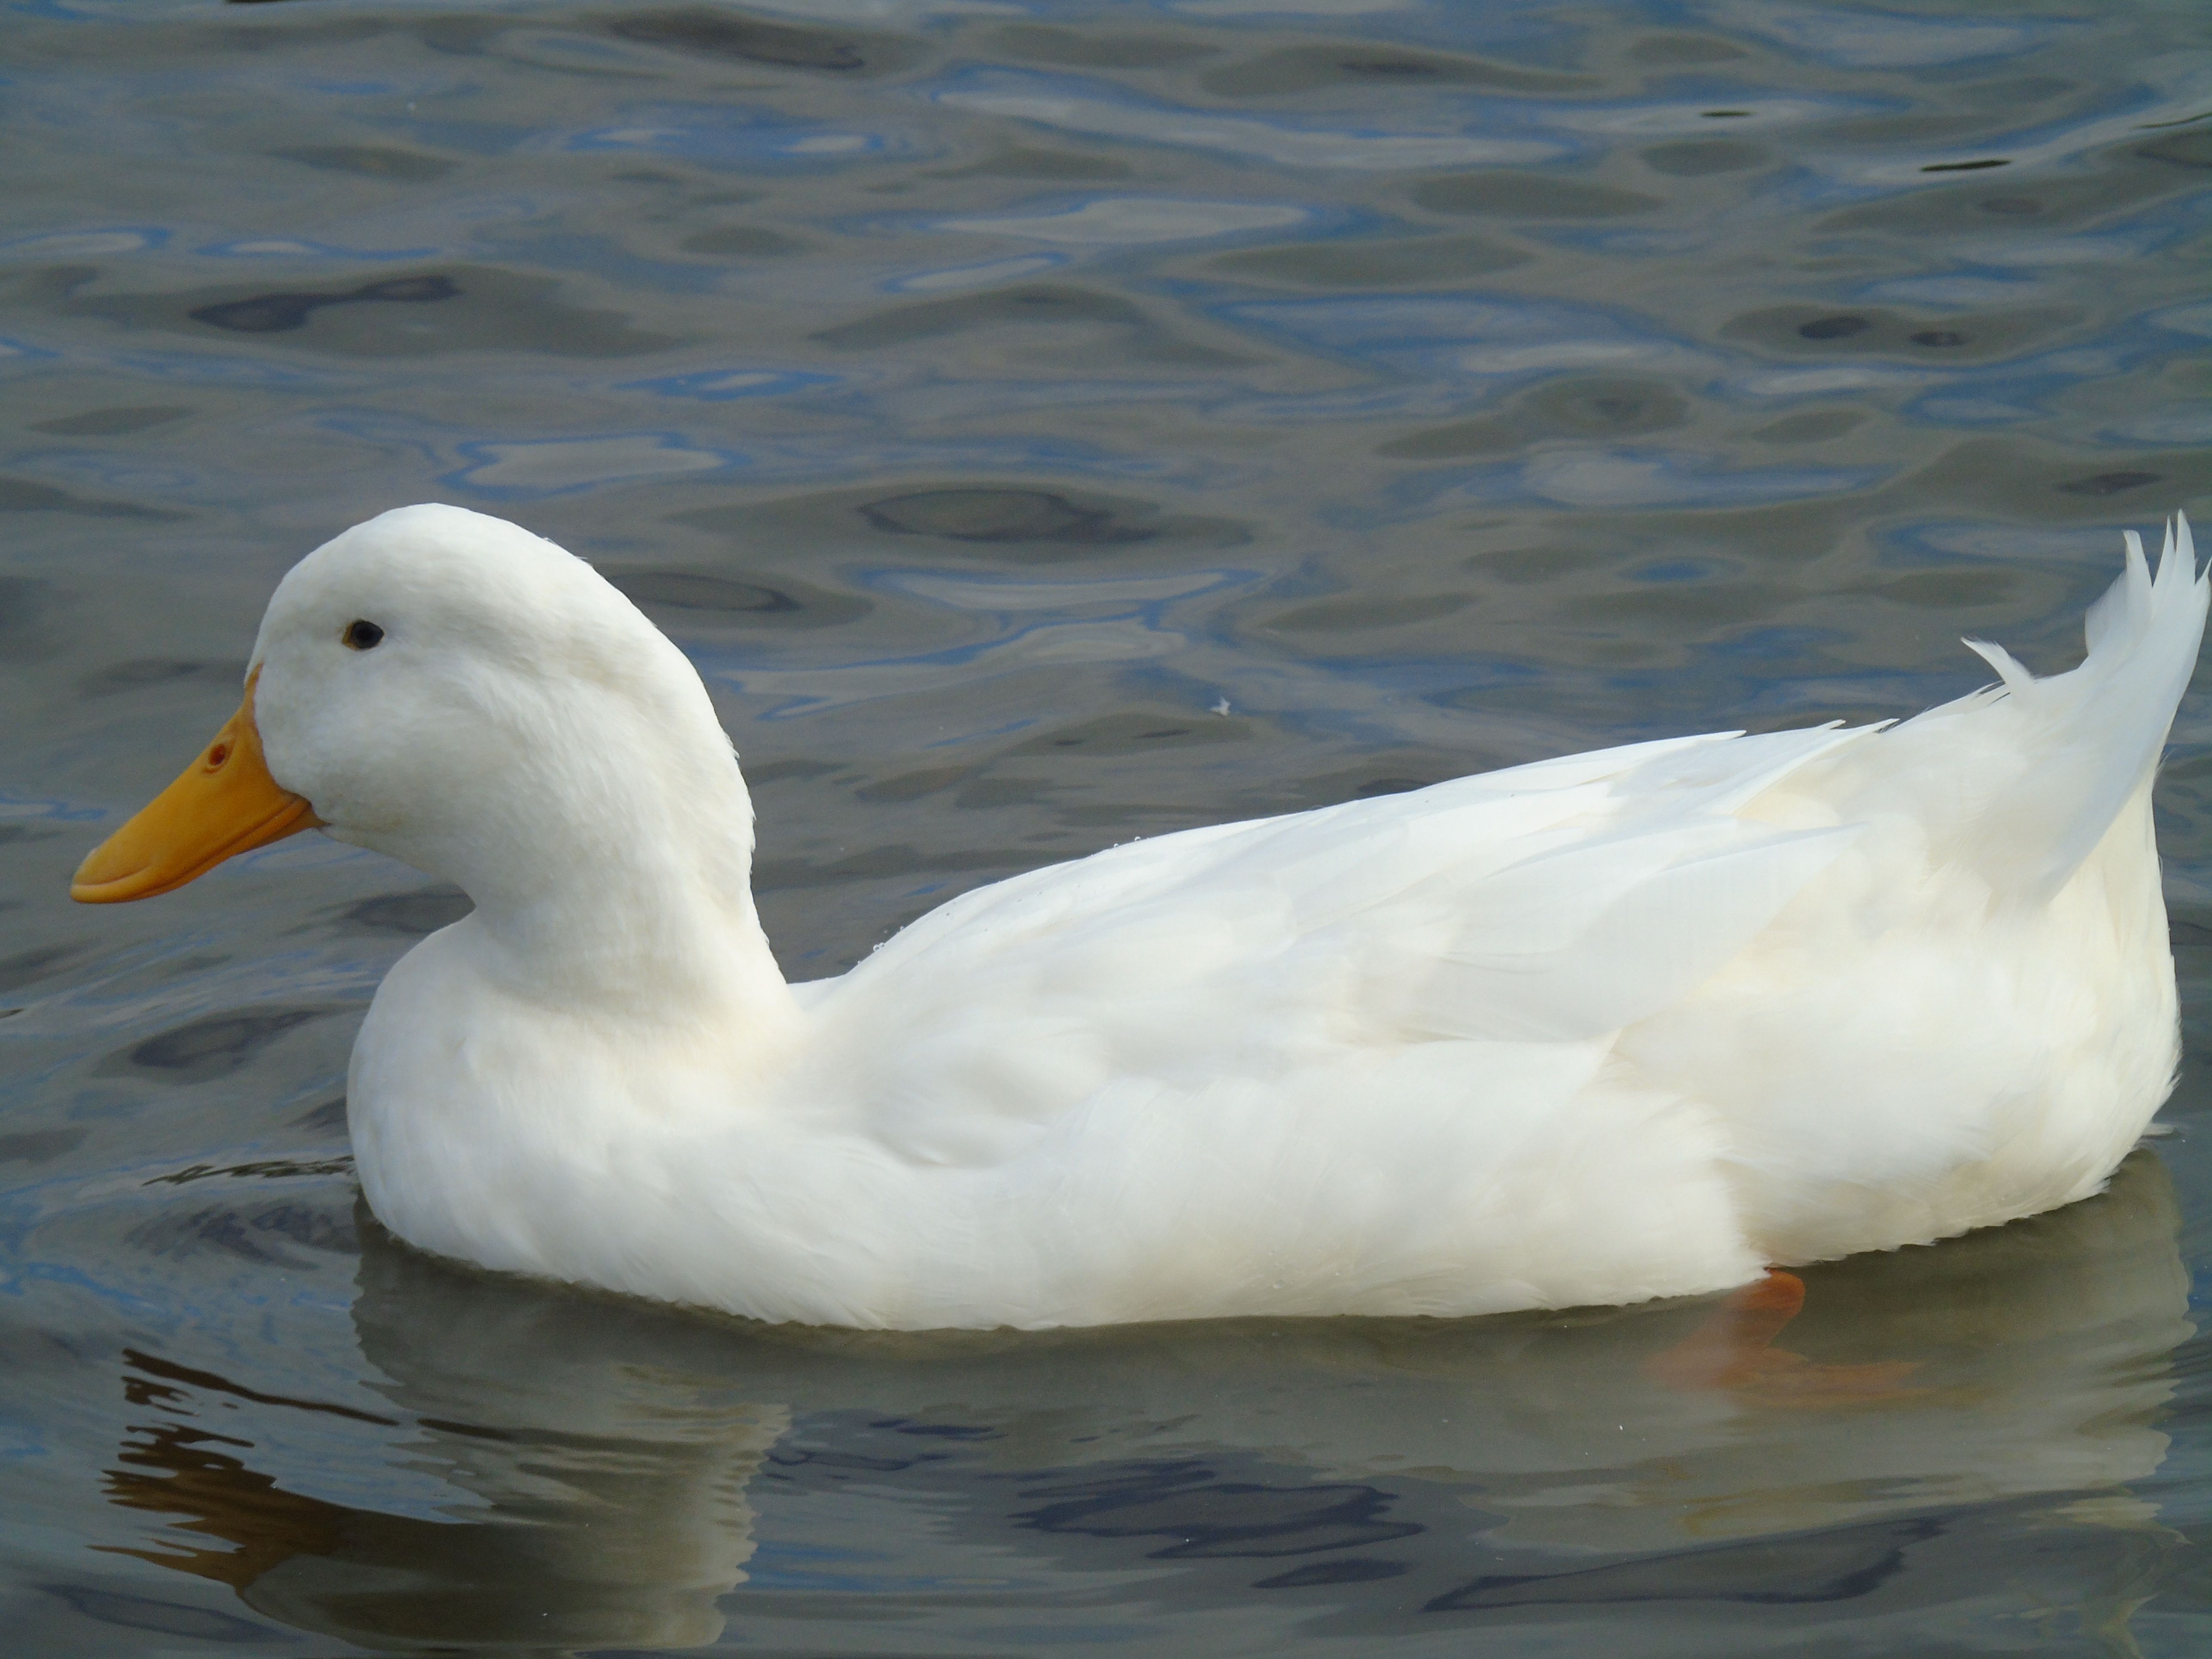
(1630, 1023)
(1355, 1059)
(1556, 902)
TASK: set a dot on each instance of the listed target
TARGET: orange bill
(225, 804)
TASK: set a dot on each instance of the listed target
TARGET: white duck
(1627, 1024)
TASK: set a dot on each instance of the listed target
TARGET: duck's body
(1631, 1024)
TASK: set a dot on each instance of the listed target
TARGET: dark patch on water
(938, 1430)
(2183, 149)
(264, 1168)
(39, 962)
(273, 314)
(214, 1046)
(1129, 731)
(1598, 407)
(327, 1118)
(28, 496)
(1379, 786)
(1351, 1569)
(742, 242)
(691, 599)
(839, 1465)
(685, 590)
(1325, 65)
(1003, 515)
(1433, 260)
(370, 161)
(39, 1146)
(1026, 161)
(1203, 1517)
(1832, 328)
(142, 1393)
(698, 31)
(423, 911)
(795, 766)
(1670, 49)
(117, 423)
(24, 603)
(912, 786)
(257, 1233)
(1808, 1569)
(469, 307)
(2108, 483)
(150, 1612)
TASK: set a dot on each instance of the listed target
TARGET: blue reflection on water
(534, 468)
(724, 136)
(91, 241)
(1887, 39)
(953, 277)
(1101, 109)
(1494, 337)
(208, 367)
(727, 385)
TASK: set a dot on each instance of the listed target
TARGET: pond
(1044, 425)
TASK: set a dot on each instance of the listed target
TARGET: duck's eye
(362, 635)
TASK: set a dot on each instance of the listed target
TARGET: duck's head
(451, 689)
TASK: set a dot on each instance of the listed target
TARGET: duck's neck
(642, 925)
(618, 891)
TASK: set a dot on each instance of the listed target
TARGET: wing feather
(1549, 904)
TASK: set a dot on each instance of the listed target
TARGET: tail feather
(2125, 606)
(2079, 745)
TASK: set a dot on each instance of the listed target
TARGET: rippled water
(1046, 424)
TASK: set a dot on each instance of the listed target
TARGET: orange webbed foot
(1734, 1350)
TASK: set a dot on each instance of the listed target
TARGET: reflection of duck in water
(1611, 1027)
(591, 1500)
(593, 1472)
(2027, 1359)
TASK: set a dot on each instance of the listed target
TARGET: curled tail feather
(2080, 744)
